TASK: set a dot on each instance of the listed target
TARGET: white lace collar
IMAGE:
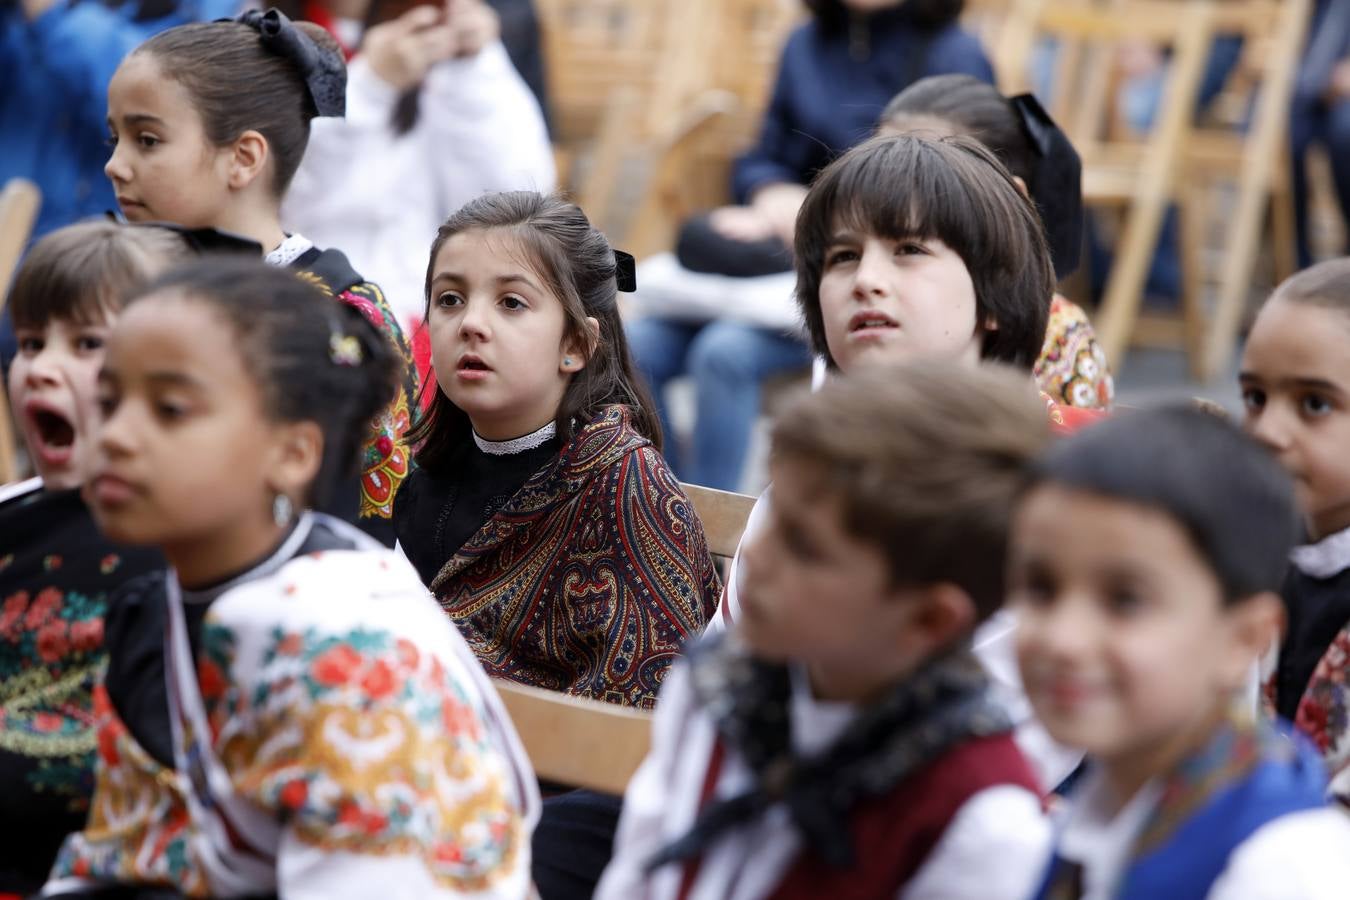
(289, 250)
(515, 445)
(1329, 556)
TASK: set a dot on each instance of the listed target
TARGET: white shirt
(993, 644)
(379, 197)
(995, 847)
(1300, 856)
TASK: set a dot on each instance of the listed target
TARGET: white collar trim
(289, 250)
(516, 445)
(1329, 556)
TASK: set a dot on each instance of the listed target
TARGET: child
(1072, 367)
(917, 248)
(1143, 563)
(208, 124)
(835, 74)
(324, 730)
(56, 570)
(543, 517)
(853, 748)
(1296, 385)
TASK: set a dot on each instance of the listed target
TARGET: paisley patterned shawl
(1324, 712)
(591, 577)
(386, 459)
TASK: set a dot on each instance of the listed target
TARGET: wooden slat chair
(575, 740)
(1142, 178)
(723, 514)
(19, 202)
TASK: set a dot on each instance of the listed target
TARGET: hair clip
(625, 271)
(325, 73)
(344, 349)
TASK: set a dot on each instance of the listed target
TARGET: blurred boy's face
(1296, 389)
(53, 390)
(883, 301)
(814, 594)
(1125, 646)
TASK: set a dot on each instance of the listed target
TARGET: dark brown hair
(1326, 284)
(925, 459)
(286, 331)
(952, 189)
(237, 85)
(577, 266)
(82, 273)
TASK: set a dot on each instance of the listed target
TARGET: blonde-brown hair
(925, 459)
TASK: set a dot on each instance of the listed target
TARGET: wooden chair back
(19, 202)
(575, 740)
(723, 514)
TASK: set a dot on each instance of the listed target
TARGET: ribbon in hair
(324, 72)
(1056, 183)
(625, 271)
(203, 240)
(344, 349)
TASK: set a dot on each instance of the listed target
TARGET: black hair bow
(625, 271)
(1056, 183)
(200, 240)
(324, 71)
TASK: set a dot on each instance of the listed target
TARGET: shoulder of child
(997, 846)
(1300, 856)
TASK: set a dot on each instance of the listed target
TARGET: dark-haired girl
(285, 713)
(542, 514)
(208, 124)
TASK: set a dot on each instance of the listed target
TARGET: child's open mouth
(53, 433)
(870, 321)
(471, 368)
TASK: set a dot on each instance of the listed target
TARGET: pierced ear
(297, 453)
(576, 352)
(1255, 624)
(248, 159)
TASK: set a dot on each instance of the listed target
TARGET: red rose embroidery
(12, 614)
(407, 653)
(87, 635)
(45, 604)
(294, 794)
(47, 722)
(210, 680)
(379, 681)
(53, 641)
(336, 666)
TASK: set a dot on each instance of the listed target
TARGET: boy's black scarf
(943, 704)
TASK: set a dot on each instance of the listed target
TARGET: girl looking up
(208, 123)
(542, 514)
(285, 711)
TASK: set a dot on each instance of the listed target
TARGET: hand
(740, 223)
(474, 23)
(1339, 86)
(32, 9)
(779, 204)
(401, 52)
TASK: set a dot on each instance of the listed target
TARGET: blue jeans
(1311, 123)
(728, 361)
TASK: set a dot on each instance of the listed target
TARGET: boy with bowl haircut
(842, 740)
(1144, 560)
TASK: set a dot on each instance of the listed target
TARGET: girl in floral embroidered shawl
(542, 514)
(286, 712)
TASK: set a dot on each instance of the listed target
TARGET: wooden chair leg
(9, 462)
(1283, 230)
(1192, 214)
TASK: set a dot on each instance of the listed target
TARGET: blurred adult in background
(1321, 112)
(437, 114)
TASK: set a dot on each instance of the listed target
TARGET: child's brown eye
(840, 256)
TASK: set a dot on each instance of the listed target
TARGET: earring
(282, 510)
(567, 361)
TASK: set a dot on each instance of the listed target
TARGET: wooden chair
(577, 741)
(19, 202)
(723, 514)
(1141, 178)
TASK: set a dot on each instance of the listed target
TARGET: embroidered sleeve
(386, 461)
(375, 755)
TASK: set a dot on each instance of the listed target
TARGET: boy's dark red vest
(894, 833)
